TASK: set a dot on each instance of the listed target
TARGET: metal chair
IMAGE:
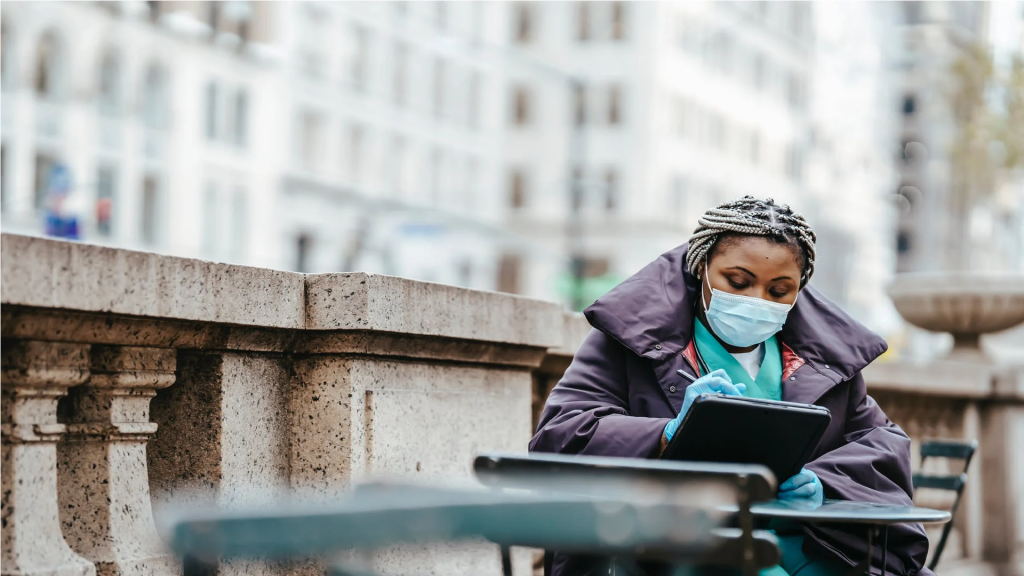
(952, 449)
(670, 515)
(745, 548)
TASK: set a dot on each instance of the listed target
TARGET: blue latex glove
(803, 486)
(715, 382)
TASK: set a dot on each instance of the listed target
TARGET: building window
(759, 72)
(154, 102)
(212, 111)
(508, 273)
(360, 58)
(303, 245)
(909, 105)
(902, 242)
(43, 166)
(355, 152)
(681, 116)
(524, 22)
(436, 174)
(913, 12)
(521, 106)
(4, 176)
(677, 198)
(795, 90)
(7, 58)
(394, 167)
(441, 15)
(579, 103)
(211, 222)
(614, 104)
(239, 225)
(241, 123)
(440, 73)
(473, 104)
(213, 17)
(154, 10)
(49, 80)
(716, 131)
(150, 224)
(401, 70)
(309, 140)
(517, 189)
(576, 190)
(110, 85)
(611, 190)
(106, 194)
(618, 21)
(465, 273)
(794, 163)
(583, 22)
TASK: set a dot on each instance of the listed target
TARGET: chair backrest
(937, 482)
(956, 449)
(543, 470)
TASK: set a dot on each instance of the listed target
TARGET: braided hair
(749, 216)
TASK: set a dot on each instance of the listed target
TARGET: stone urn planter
(965, 304)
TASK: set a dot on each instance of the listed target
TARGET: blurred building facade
(934, 36)
(395, 139)
(145, 103)
(487, 144)
(693, 104)
(255, 133)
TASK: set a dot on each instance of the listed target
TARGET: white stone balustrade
(35, 376)
(195, 380)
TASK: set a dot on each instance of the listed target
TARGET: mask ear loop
(703, 301)
(701, 364)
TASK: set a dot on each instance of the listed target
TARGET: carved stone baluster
(105, 502)
(35, 375)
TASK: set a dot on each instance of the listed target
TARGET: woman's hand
(803, 486)
(717, 382)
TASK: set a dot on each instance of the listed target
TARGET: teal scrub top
(768, 386)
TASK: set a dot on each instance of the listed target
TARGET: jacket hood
(652, 314)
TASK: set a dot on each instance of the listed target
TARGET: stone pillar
(106, 509)
(223, 438)
(35, 375)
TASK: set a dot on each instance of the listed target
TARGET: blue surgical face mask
(743, 321)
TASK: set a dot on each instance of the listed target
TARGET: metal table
(877, 518)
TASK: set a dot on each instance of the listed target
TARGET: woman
(732, 310)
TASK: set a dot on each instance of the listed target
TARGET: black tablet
(779, 435)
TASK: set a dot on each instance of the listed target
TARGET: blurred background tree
(987, 102)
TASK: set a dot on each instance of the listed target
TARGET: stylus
(685, 375)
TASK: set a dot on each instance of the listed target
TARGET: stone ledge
(947, 378)
(49, 273)
(70, 286)
(359, 301)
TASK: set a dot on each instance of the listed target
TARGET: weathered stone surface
(359, 301)
(106, 511)
(56, 274)
(224, 430)
(357, 418)
(223, 438)
(35, 376)
(275, 389)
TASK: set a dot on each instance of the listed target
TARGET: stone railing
(968, 401)
(133, 379)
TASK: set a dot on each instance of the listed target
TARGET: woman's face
(754, 266)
